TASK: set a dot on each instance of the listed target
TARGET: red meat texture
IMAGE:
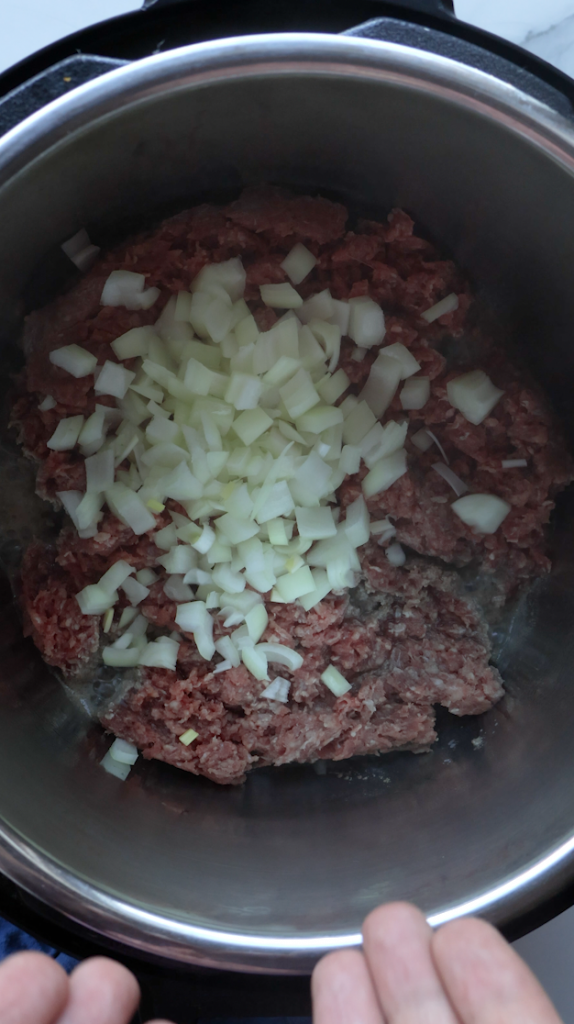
(422, 641)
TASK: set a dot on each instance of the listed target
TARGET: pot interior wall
(295, 853)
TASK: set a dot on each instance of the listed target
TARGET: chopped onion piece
(484, 512)
(228, 276)
(236, 530)
(458, 485)
(256, 621)
(134, 591)
(127, 617)
(358, 353)
(415, 393)
(280, 296)
(390, 439)
(114, 380)
(251, 424)
(224, 577)
(188, 737)
(356, 524)
(279, 654)
(319, 306)
(279, 502)
(350, 461)
(408, 362)
(255, 662)
(175, 588)
(396, 555)
(298, 395)
(385, 473)
(382, 528)
(331, 387)
(243, 391)
(147, 577)
(109, 763)
(179, 559)
(382, 383)
(367, 322)
(296, 584)
(422, 440)
(47, 403)
(335, 682)
(315, 523)
(228, 651)
(298, 263)
(278, 689)
(474, 395)
(129, 508)
(514, 463)
(358, 422)
(446, 305)
(322, 588)
(160, 654)
(133, 343)
(116, 575)
(341, 315)
(108, 620)
(66, 434)
(193, 617)
(94, 600)
(124, 752)
(124, 288)
(223, 666)
(439, 446)
(75, 360)
(100, 471)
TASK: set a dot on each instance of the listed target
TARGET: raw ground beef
(406, 638)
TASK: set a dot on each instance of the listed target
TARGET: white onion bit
(458, 485)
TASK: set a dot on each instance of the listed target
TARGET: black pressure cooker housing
(178, 992)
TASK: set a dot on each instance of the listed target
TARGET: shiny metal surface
(266, 876)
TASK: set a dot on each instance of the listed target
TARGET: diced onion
(446, 305)
(193, 617)
(176, 589)
(278, 689)
(279, 654)
(124, 752)
(114, 380)
(113, 767)
(47, 403)
(160, 654)
(335, 682)
(474, 395)
(129, 508)
(415, 393)
(188, 737)
(100, 471)
(356, 524)
(459, 487)
(409, 364)
(66, 434)
(76, 360)
(422, 440)
(124, 288)
(299, 263)
(280, 296)
(514, 463)
(296, 584)
(385, 473)
(382, 383)
(367, 322)
(94, 600)
(396, 555)
(483, 512)
(255, 661)
(228, 651)
(116, 575)
(315, 523)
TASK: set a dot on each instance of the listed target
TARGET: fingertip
(32, 987)
(107, 987)
(392, 917)
(342, 990)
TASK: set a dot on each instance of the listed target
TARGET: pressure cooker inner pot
(292, 854)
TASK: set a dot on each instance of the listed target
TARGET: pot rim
(196, 66)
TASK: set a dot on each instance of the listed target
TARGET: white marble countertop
(547, 29)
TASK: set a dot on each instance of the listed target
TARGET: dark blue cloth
(13, 940)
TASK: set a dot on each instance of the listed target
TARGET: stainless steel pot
(267, 876)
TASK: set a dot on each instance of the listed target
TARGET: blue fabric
(12, 940)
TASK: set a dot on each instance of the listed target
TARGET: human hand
(36, 990)
(463, 973)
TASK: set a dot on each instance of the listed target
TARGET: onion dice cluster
(249, 433)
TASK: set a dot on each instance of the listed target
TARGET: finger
(486, 980)
(343, 992)
(101, 992)
(33, 989)
(397, 941)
